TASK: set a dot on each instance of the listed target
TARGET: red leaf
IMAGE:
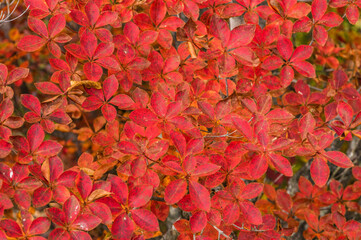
(198, 221)
(285, 47)
(6, 172)
(175, 191)
(56, 215)
(286, 76)
(220, 29)
(205, 169)
(356, 171)
(320, 35)
(179, 142)
(122, 101)
(143, 117)
(84, 184)
(195, 146)
(301, 53)
(352, 13)
(245, 56)
(76, 50)
(241, 35)
(346, 112)
(80, 235)
(92, 12)
(61, 194)
(243, 127)
(139, 64)
(165, 39)
(172, 23)
(123, 227)
(231, 213)
(110, 87)
(189, 164)
(140, 195)
(200, 196)
(71, 209)
(79, 17)
(39, 226)
(35, 136)
(339, 159)
(147, 37)
(92, 71)
(29, 183)
(156, 148)
(36, 4)
(5, 201)
(119, 188)
(31, 102)
(284, 200)
(6, 110)
(157, 11)
(339, 79)
(272, 63)
(31, 43)
(318, 9)
(259, 166)
(86, 222)
(143, 21)
(251, 213)
(131, 31)
(279, 116)
(59, 234)
(42, 196)
(49, 148)
(102, 211)
(106, 18)
(89, 43)
(92, 103)
(331, 19)
(48, 88)
(319, 171)
(306, 125)
(145, 219)
(312, 220)
(56, 25)
(5, 148)
(252, 190)
(281, 164)
(11, 228)
(171, 64)
(17, 74)
(59, 116)
(159, 104)
(304, 68)
(109, 112)
(103, 50)
(22, 199)
(3, 72)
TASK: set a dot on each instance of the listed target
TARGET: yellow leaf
(14, 34)
(86, 83)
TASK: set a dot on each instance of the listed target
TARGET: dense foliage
(117, 114)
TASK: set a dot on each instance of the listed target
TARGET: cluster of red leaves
(178, 108)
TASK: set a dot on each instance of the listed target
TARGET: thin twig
(159, 199)
(219, 136)
(251, 230)
(220, 232)
(227, 87)
(5, 17)
(311, 87)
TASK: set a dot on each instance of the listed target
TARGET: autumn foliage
(239, 116)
